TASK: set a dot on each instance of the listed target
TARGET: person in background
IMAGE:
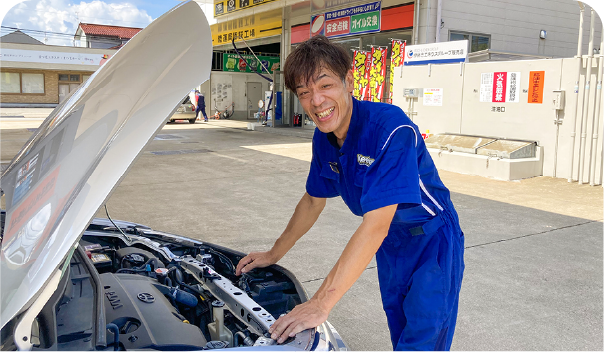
(201, 106)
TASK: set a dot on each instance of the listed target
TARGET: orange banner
(536, 81)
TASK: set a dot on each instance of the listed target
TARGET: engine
(170, 297)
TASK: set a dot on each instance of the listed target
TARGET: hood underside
(80, 153)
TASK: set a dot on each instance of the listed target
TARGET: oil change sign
(349, 21)
(500, 87)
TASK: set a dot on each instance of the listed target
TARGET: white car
(71, 282)
(186, 111)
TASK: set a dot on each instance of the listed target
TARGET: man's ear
(349, 81)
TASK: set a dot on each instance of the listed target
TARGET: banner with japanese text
(359, 72)
(397, 57)
(378, 73)
(366, 88)
(234, 63)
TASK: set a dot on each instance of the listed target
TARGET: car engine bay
(143, 289)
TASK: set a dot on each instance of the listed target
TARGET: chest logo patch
(334, 167)
(364, 160)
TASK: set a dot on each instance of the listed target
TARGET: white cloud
(63, 16)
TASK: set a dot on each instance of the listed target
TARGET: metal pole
(438, 19)
(593, 152)
(584, 113)
(579, 65)
(416, 8)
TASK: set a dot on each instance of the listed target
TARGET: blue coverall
(382, 162)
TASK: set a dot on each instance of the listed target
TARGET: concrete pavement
(533, 278)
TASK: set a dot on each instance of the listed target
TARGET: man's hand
(255, 260)
(304, 316)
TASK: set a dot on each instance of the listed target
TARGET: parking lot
(533, 278)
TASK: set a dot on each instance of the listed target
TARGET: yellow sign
(229, 6)
(260, 25)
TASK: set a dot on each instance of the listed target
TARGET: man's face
(328, 101)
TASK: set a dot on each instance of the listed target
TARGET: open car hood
(80, 153)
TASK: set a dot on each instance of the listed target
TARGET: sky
(60, 18)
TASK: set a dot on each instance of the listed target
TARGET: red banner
(366, 91)
(378, 73)
(499, 84)
(396, 60)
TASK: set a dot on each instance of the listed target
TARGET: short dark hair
(309, 57)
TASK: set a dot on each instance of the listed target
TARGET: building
(99, 36)
(495, 30)
(35, 75)
(19, 37)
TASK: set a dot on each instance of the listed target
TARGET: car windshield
(187, 100)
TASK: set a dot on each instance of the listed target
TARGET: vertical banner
(536, 80)
(365, 88)
(378, 73)
(396, 59)
(359, 72)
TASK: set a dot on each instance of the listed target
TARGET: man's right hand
(255, 260)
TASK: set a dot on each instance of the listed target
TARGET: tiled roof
(109, 31)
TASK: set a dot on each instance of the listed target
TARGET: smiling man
(372, 156)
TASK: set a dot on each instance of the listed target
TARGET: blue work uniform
(383, 162)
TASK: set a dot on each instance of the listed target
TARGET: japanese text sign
(500, 87)
(349, 21)
(536, 80)
(233, 63)
(437, 53)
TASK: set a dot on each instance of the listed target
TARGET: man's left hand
(304, 316)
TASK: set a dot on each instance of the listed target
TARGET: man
(372, 156)
(201, 106)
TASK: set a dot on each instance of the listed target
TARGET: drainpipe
(584, 113)
(427, 22)
(579, 65)
(416, 8)
(438, 20)
(596, 120)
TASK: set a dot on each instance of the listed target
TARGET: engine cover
(145, 317)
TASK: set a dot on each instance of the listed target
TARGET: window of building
(74, 78)
(63, 77)
(28, 83)
(10, 83)
(476, 41)
(32, 83)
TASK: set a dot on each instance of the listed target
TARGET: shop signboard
(248, 27)
(229, 6)
(355, 20)
(396, 59)
(378, 73)
(437, 53)
(234, 63)
(500, 87)
(52, 57)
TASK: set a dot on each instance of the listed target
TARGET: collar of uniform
(353, 130)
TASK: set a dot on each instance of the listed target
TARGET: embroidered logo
(334, 167)
(364, 160)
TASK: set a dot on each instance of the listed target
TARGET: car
(186, 111)
(71, 282)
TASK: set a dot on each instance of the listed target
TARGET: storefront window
(10, 83)
(32, 82)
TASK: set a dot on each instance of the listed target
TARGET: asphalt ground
(534, 257)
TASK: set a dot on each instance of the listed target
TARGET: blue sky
(60, 18)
